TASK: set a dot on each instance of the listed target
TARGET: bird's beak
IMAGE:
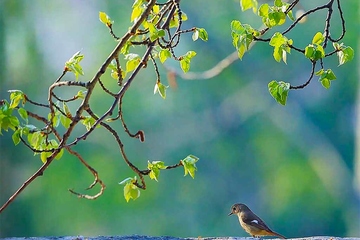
(230, 213)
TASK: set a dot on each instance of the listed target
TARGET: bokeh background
(296, 166)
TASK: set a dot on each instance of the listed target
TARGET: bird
(251, 223)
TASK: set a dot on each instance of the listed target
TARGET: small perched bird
(251, 223)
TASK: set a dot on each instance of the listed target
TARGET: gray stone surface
(137, 237)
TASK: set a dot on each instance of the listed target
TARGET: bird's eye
(234, 209)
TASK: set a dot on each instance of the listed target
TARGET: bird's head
(238, 208)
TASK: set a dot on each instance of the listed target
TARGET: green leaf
(309, 51)
(242, 35)
(81, 94)
(16, 137)
(272, 15)
(203, 34)
(131, 191)
(154, 32)
(314, 53)
(325, 82)
(236, 27)
(277, 18)
(43, 156)
(190, 54)
(189, 165)
(195, 35)
(185, 64)
(60, 154)
(264, 10)
(88, 122)
(126, 48)
(105, 19)
(164, 54)
(281, 46)
(154, 168)
(73, 64)
(132, 64)
(200, 33)
(291, 16)
(36, 139)
(133, 61)
(320, 53)
(65, 121)
(278, 3)
(66, 110)
(16, 96)
(185, 61)
(248, 4)
(23, 114)
(318, 38)
(137, 10)
(161, 89)
(241, 51)
(277, 54)
(55, 119)
(325, 77)
(279, 91)
(345, 55)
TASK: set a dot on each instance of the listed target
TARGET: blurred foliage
(292, 165)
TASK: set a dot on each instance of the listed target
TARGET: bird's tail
(278, 234)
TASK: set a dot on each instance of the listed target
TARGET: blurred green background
(297, 166)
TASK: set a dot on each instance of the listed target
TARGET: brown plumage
(251, 223)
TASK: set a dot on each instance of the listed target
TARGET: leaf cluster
(156, 29)
(272, 16)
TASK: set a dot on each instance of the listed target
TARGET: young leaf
(314, 52)
(105, 19)
(279, 91)
(161, 89)
(81, 94)
(73, 64)
(43, 156)
(278, 3)
(16, 96)
(154, 168)
(189, 165)
(59, 155)
(55, 119)
(264, 10)
(66, 110)
(16, 137)
(200, 33)
(185, 64)
(345, 55)
(195, 35)
(247, 4)
(203, 34)
(242, 35)
(164, 54)
(23, 114)
(281, 46)
(309, 51)
(137, 11)
(65, 121)
(190, 54)
(185, 61)
(131, 191)
(88, 122)
(133, 61)
(318, 38)
(326, 76)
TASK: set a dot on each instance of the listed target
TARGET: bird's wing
(256, 222)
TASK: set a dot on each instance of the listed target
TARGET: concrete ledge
(137, 237)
